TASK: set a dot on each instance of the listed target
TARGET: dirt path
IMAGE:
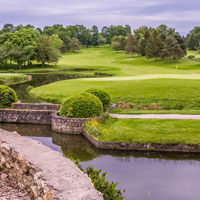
(156, 116)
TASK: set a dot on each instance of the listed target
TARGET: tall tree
(95, 36)
(44, 50)
(171, 49)
(154, 45)
(74, 44)
(115, 45)
(132, 45)
(55, 41)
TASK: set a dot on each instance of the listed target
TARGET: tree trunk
(43, 63)
(132, 54)
(155, 58)
(20, 67)
(169, 59)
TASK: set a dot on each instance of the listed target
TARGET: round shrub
(102, 94)
(7, 96)
(82, 105)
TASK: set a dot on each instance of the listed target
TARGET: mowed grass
(140, 112)
(152, 131)
(171, 93)
(10, 78)
(104, 59)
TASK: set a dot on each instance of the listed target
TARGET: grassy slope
(130, 81)
(10, 78)
(153, 131)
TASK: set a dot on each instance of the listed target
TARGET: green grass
(140, 112)
(103, 58)
(151, 130)
(170, 93)
(10, 78)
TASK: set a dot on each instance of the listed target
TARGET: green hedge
(7, 96)
(82, 105)
(102, 94)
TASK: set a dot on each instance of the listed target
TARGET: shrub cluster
(7, 96)
(102, 94)
(82, 105)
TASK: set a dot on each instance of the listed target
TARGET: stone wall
(68, 125)
(42, 172)
(26, 116)
(142, 146)
(35, 106)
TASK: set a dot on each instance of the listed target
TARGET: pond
(143, 175)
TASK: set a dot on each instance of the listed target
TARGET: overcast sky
(180, 14)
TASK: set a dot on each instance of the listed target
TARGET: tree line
(24, 44)
(161, 42)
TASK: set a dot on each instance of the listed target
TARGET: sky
(183, 15)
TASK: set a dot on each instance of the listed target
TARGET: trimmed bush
(82, 105)
(7, 96)
(102, 94)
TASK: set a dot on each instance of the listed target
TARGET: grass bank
(147, 131)
(170, 94)
(12, 78)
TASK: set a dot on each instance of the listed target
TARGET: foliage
(95, 36)
(44, 50)
(132, 46)
(74, 44)
(154, 45)
(7, 96)
(171, 49)
(115, 45)
(30, 87)
(83, 105)
(99, 181)
(55, 41)
(102, 94)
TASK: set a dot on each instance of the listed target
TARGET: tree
(154, 45)
(55, 55)
(171, 49)
(102, 40)
(74, 44)
(131, 47)
(44, 50)
(55, 41)
(95, 36)
(115, 45)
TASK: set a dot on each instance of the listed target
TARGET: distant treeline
(23, 44)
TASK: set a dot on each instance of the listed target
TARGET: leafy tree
(193, 38)
(4, 54)
(132, 46)
(74, 44)
(55, 41)
(102, 40)
(8, 28)
(165, 29)
(55, 55)
(171, 49)
(115, 45)
(44, 50)
(143, 42)
(181, 42)
(154, 45)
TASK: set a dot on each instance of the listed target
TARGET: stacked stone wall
(45, 174)
(36, 106)
(26, 116)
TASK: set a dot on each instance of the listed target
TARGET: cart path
(156, 116)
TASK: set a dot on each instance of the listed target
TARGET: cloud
(104, 12)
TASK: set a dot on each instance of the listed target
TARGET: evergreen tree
(132, 46)
(95, 36)
(154, 45)
(171, 49)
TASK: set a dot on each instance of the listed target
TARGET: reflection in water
(37, 80)
(144, 175)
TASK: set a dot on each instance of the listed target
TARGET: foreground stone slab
(45, 173)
